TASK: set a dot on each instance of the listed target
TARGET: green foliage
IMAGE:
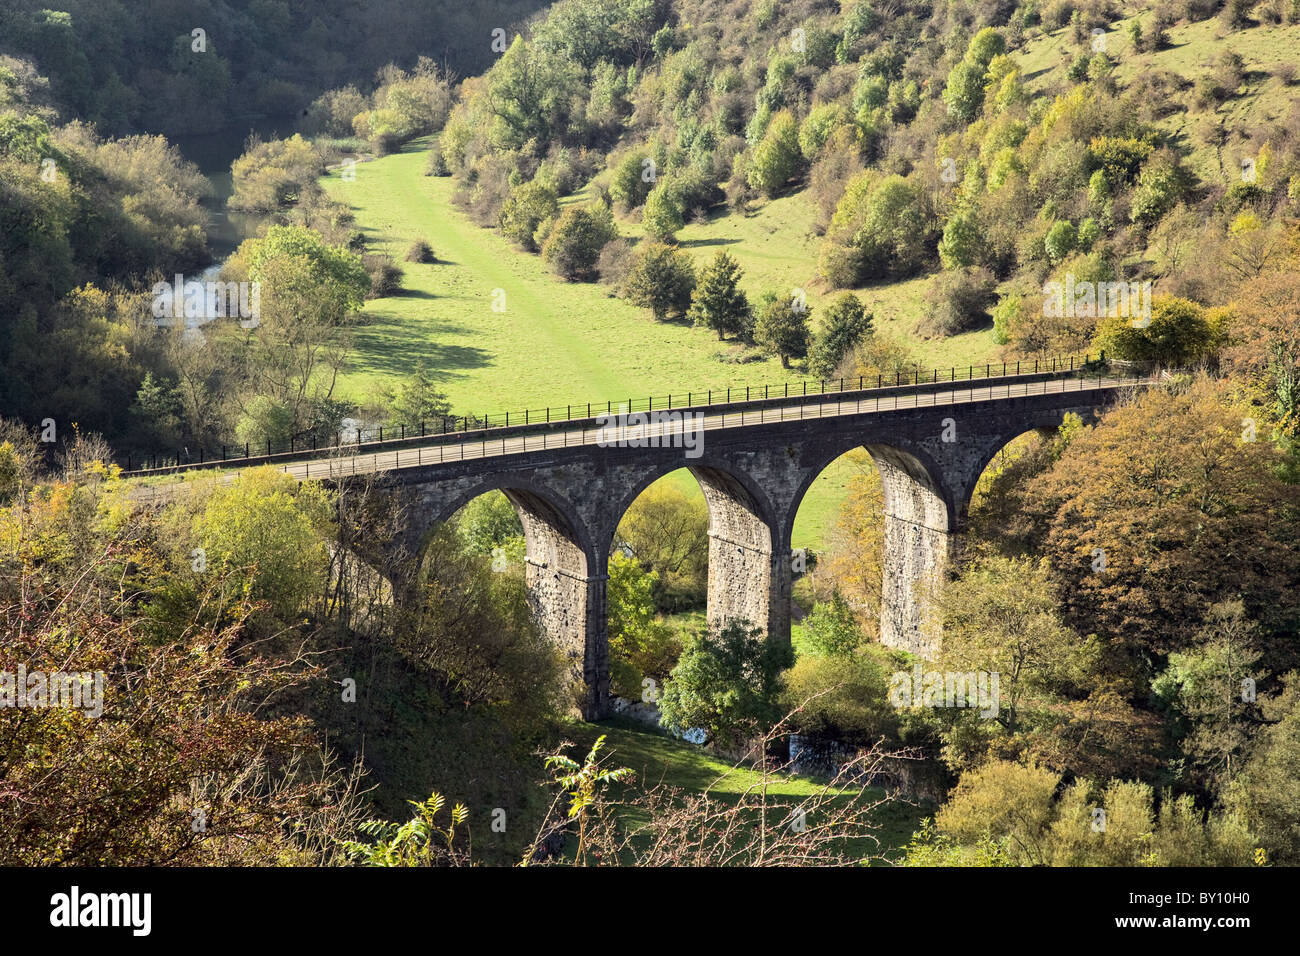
(418, 842)
(582, 784)
(818, 126)
(844, 324)
(1161, 185)
(1005, 813)
(490, 522)
(781, 328)
(418, 400)
(1061, 240)
(832, 629)
(842, 696)
(640, 646)
(528, 206)
(1176, 335)
(776, 158)
(718, 302)
(964, 91)
(1267, 792)
(668, 533)
(337, 274)
(886, 224)
(660, 279)
(632, 180)
(663, 215)
(726, 683)
(268, 531)
(573, 247)
(963, 240)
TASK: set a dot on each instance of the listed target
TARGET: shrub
(385, 275)
(1178, 334)
(727, 683)
(436, 164)
(528, 207)
(573, 247)
(420, 251)
(660, 279)
(957, 300)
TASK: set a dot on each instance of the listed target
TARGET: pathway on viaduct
(571, 484)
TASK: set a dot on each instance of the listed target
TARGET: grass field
(659, 759)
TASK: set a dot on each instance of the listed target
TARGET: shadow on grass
(702, 243)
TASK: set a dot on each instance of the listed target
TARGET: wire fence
(452, 427)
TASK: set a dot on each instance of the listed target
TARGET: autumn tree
(1170, 504)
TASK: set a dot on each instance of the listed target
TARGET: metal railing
(454, 427)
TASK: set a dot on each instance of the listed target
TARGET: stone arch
(565, 575)
(962, 480)
(919, 532)
(748, 574)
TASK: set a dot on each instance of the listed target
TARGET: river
(213, 153)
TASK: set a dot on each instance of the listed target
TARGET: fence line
(540, 418)
(486, 447)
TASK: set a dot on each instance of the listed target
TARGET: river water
(213, 153)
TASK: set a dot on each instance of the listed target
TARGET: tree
(528, 207)
(726, 683)
(963, 240)
(639, 645)
(777, 157)
(1265, 342)
(1060, 240)
(1008, 814)
(782, 329)
(337, 273)
(1000, 616)
(832, 629)
(269, 530)
(718, 303)
(1267, 792)
(1203, 688)
(632, 180)
(662, 216)
(660, 279)
(1177, 335)
(1143, 511)
(668, 533)
(845, 324)
(573, 247)
(418, 399)
(887, 225)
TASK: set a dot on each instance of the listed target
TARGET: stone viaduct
(754, 475)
